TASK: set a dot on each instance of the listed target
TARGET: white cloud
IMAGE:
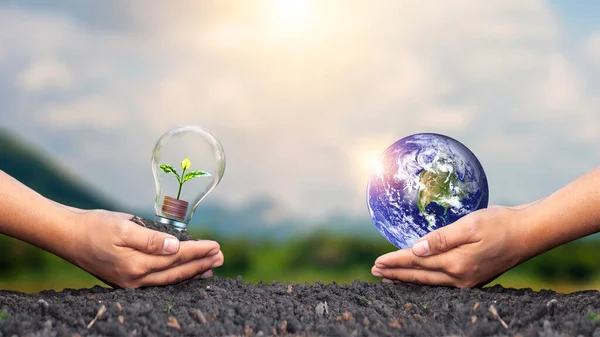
(593, 49)
(44, 74)
(560, 88)
(94, 112)
(301, 111)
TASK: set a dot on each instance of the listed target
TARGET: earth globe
(421, 183)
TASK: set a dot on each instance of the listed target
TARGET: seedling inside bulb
(170, 207)
(185, 165)
(176, 208)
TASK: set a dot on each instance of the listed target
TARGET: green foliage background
(319, 256)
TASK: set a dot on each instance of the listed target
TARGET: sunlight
(370, 162)
(291, 18)
(366, 155)
(366, 164)
(295, 10)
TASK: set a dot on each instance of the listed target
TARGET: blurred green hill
(325, 253)
(33, 168)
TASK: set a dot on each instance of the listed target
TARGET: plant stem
(180, 183)
(179, 193)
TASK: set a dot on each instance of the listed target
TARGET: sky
(304, 95)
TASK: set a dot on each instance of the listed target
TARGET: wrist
(50, 228)
(546, 226)
(67, 234)
(568, 214)
(525, 230)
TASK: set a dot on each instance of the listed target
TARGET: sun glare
(366, 163)
(366, 155)
(370, 162)
(291, 18)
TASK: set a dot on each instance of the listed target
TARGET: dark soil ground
(226, 307)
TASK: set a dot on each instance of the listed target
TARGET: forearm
(568, 214)
(28, 216)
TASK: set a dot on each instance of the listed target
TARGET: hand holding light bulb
(137, 256)
(110, 246)
(124, 254)
(106, 244)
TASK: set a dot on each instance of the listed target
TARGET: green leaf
(185, 164)
(167, 168)
(3, 316)
(170, 169)
(194, 174)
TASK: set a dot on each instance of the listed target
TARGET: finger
(188, 252)
(416, 276)
(445, 238)
(206, 274)
(178, 274)
(147, 240)
(405, 258)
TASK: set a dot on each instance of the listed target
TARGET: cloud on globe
(421, 183)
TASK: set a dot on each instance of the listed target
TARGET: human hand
(124, 254)
(467, 253)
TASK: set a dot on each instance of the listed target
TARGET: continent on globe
(421, 183)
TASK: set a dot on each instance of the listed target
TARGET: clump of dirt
(227, 307)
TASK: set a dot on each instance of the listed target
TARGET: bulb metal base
(180, 226)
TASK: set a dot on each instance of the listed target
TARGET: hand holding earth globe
(421, 183)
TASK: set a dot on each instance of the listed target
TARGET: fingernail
(171, 245)
(387, 280)
(378, 274)
(421, 248)
(217, 263)
(213, 252)
(380, 266)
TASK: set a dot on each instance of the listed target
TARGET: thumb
(150, 241)
(441, 240)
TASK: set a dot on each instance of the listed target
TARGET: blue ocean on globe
(421, 183)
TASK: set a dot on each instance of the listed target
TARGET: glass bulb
(188, 162)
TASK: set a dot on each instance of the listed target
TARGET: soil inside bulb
(174, 208)
(180, 235)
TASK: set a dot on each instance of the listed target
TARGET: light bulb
(188, 162)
